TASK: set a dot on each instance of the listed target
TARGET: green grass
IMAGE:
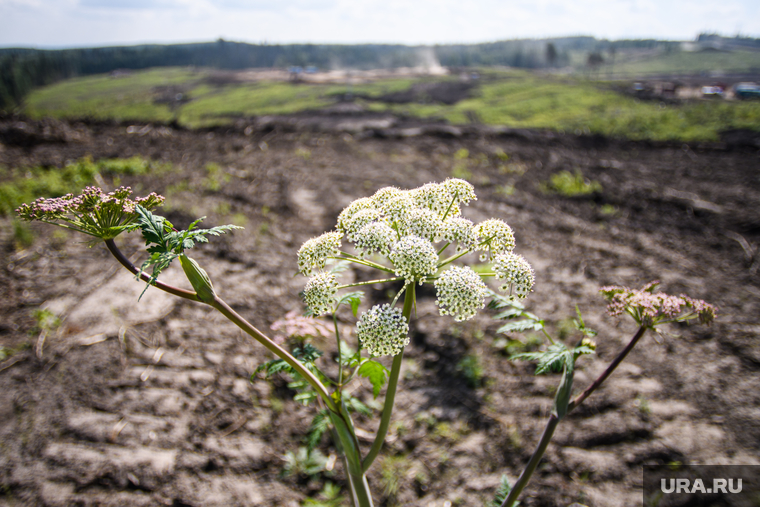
(24, 185)
(123, 98)
(686, 62)
(567, 104)
(517, 99)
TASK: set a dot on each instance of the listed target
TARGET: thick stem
(614, 364)
(390, 393)
(187, 294)
(346, 433)
(283, 354)
(236, 319)
(551, 425)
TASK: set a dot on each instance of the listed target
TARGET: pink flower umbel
(650, 309)
(94, 212)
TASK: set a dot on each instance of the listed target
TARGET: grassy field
(511, 98)
(686, 62)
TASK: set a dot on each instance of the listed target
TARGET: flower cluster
(314, 253)
(461, 293)
(414, 258)
(319, 293)
(495, 237)
(383, 331)
(94, 212)
(403, 226)
(516, 272)
(649, 308)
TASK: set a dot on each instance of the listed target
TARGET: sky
(91, 23)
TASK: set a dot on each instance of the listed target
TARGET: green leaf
(348, 356)
(305, 398)
(319, 425)
(355, 405)
(521, 325)
(501, 301)
(376, 373)
(508, 314)
(581, 326)
(551, 360)
(501, 492)
(340, 267)
(272, 367)
(562, 398)
(307, 354)
(353, 299)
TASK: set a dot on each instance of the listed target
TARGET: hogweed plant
(410, 238)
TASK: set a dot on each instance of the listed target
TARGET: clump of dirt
(150, 403)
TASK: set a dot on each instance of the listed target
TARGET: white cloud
(108, 22)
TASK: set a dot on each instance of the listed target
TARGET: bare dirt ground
(150, 403)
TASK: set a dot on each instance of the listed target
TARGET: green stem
(453, 258)
(236, 319)
(364, 262)
(340, 359)
(551, 425)
(369, 282)
(283, 354)
(390, 393)
(444, 248)
(175, 291)
(614, 364)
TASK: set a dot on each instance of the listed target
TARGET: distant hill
(22, 69)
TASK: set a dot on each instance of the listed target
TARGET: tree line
(22, 69)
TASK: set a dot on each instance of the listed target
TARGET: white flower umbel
(348, 213)
(359, 220)
(435, 197)
(516, 272)
(396, 208)
(374, 237)
(495, 237)
(461, 293)
(414, 258)
(460, 191)
(384, 195)
(420, 222)
(457, 230)
(319, 293)
(313, 253)
(383, 331)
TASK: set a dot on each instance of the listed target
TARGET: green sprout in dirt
(410, 238)
(648, 308)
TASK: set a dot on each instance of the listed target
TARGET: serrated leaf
(552, 359)
(508, 314)
(305, 398)
(340, 267)
(521, 325)
(502, 492)
(355, 405)
(319, 425)
(307, 354)
(348, 356)
(272, 367)
(583, 349)
(353, 299)
(376, 373)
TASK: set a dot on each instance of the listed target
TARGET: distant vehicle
(747, 91)
(311, 69)
(712, 91)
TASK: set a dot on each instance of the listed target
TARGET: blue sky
(75, 23)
